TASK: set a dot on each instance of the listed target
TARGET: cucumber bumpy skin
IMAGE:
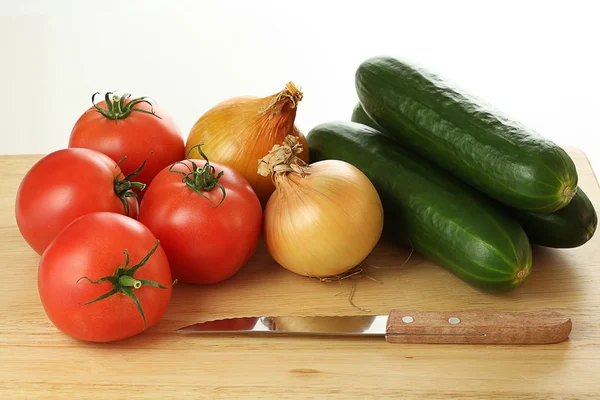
(571, 226)
(461, 134)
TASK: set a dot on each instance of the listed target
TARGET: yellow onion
(239, 131)
(324, 218)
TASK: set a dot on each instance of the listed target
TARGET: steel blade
(370, 325)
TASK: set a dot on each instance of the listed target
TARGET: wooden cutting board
(38, 362)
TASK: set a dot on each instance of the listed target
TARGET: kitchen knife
(402, 326)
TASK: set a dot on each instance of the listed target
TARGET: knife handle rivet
(454, 320)
(407, 319)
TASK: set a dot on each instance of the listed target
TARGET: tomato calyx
(116, 108)
(201, 179)
(124, 282)
(123, 186)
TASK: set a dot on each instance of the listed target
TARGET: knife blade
(409, 326)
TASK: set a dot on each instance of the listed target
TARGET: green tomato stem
(124, 282)
(116, 108)
(123, 186)
(202, 179)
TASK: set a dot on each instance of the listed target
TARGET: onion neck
(283, 159)
(291, 96)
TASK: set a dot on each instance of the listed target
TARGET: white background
(539, 62)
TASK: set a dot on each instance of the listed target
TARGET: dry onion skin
(239, 131)
(323, 219)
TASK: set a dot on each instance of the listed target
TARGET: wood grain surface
(38, 362)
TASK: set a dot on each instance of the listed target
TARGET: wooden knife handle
(477, 327)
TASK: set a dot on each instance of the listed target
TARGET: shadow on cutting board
(555, 282)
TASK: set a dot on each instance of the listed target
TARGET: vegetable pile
(130, 208)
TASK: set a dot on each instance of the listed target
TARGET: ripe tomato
(207, 236)
(120, 126)
(65, 185)
(103, 253)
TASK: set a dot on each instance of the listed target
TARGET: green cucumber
(498, 156)
(446, 220)
(359, 115)
(569, 227)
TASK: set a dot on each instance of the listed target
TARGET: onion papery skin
(325, 223)
(239, 131)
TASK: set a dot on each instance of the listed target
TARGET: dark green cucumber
(359, 115)
(446, 220)
(569, 227)
(500, 157)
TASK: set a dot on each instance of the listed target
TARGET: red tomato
(206, 242)
(129, 130)
(94, 246)
(65, 185)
